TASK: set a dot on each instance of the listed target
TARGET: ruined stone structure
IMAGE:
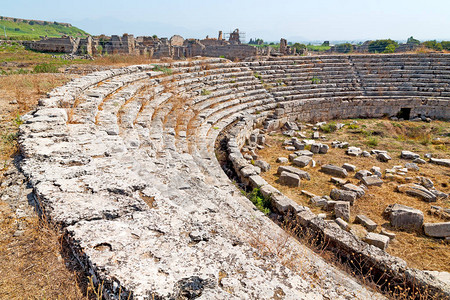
(65, 44)
(127, 168)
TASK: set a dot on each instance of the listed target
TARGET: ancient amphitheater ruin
(124, 161)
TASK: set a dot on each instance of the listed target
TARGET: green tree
(326, 44)
(344, 48)
(299, 47)
(446, 45)
(379, 46)
(412, 40)
(433, 45)
(389, 48)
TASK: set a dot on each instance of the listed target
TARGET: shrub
(433, 45)
(256, 74)
(329, 128)
(259, 201)
(372, 141)
(344, 48)
(165, 70)
(389, 48)
(353, 126)
(446, 45)
(205, 92)
(315, 80)
(45, 68)
(379, 46)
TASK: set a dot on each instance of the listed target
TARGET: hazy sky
(270, 20)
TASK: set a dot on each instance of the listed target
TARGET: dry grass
(32, 266)
(418, 250)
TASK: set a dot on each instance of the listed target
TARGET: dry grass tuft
(32, 265)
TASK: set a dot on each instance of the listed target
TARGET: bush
(327, 128)
(45, 68)
(379, 46)
(205, 92)
(299, 47)
(259, 201)
(165, 70)
(344, 48)
(445, 45)
(433, 45)
(372, 141)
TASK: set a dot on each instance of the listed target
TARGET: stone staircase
(123, 160)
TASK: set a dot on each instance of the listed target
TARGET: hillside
(19, 29)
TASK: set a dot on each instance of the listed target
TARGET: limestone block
(440, 230)
(377, 240)
(404, 217)
(366, 222)
(334, 170)
(289, 179)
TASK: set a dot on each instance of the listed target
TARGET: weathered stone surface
(362, 173)
(282, 160)
(409, 155)
(440, 230)
(302, 161)
(318, 201)
(442, 162)
(390, 235)
(419, 161)
(343, 195)
(383, 157)
(356, 189)
(378, 240)
(302, 174)
(289, 179)
(411, 166)
(366, 222)
(349, 167)
(418, 191)
(404, 217)
(342, 224)
(342, 210)
(334, 171)
(372, 181)
(338, 181)
(304, 153)
(263, 165)
(354, 151)
(298, 145)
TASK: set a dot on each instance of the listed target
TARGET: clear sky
(267, 19)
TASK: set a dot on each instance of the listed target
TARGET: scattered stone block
(318, 201)
(426, 182)
(265, 166)
(373, 180)
(342, 223)
(334, 171)
(292, 156)
(383, 157)
(309, 194)
(441, 162)
(302, 161)
(362, 173)
(304, 153)
(315, 135)
(439, 230)
(390, 235)
(354, 151)
(409, 155)
(404, 217)
(298, 145)
(249, 171)
(289, 179)
(419, 161)
(353, 188)
(377, 240)
(290, 126)
(282, 160)
(338, 181)
(315, 148)
(290, 148)
(365, 154)
(342, 195)
(418, 191)
(302, 174)
(342, 210)
(366, 222)
(349, 167)
(257, 181)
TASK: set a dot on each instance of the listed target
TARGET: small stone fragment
(377, 240)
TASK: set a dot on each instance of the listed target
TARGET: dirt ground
(417, 249)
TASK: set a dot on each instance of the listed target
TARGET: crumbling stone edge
(379, 263)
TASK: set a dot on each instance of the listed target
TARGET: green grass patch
(328, 128)
(32, 31)
(165, 70)
(372, 141)
(259, 201)
(205, 92)
(46, 68)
